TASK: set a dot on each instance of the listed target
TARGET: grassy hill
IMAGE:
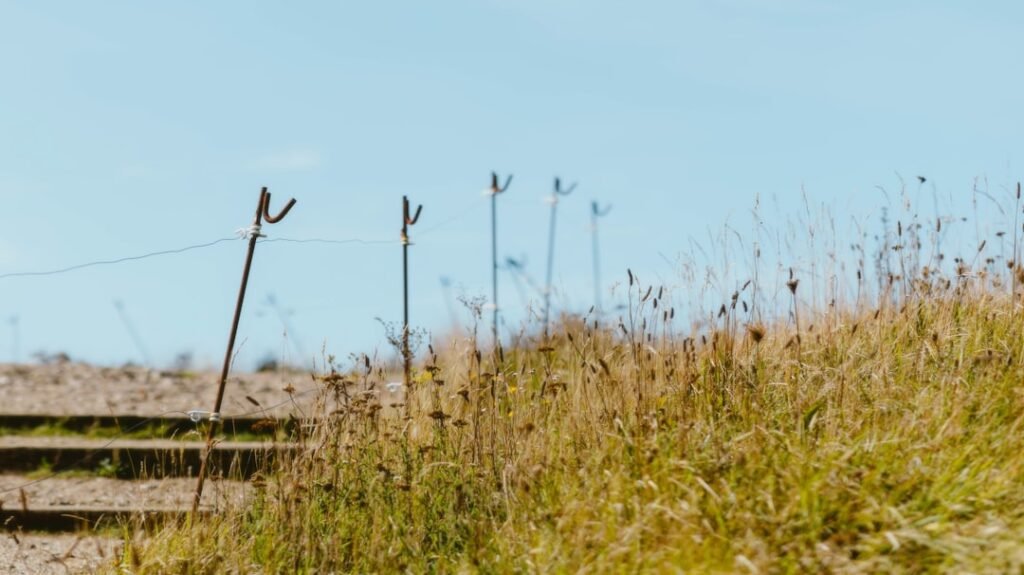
(880, 440)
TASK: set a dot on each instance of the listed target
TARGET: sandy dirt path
(168, 493)
(31, 554)
(78, 389)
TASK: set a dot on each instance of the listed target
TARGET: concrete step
(136, 458)
(166, 426)
(62, 518)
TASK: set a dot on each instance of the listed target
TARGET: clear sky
(130, 127)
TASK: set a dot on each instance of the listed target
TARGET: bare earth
(78, 389)
(168, 493)
(32, 554)
(45, 553)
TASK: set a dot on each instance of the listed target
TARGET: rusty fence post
(253, 234)
(407, 221)
(15, 338)
(494, 190)
(595, 213)
(553, 200)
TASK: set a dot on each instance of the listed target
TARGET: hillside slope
(884, 441)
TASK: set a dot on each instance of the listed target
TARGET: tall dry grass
(873, 432)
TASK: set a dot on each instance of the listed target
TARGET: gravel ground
(169, 493)
(67, 388)
(30, 554)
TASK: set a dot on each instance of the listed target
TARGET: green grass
(56, 428)
(105, 468)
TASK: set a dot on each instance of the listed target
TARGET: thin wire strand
(270, 407)
(263, 409)
(443, 223)
(327, 241)
(430, 229)
(115, 261)
(88, 456)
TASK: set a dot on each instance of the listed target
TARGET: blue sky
(133, 127)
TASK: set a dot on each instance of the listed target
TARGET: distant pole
(515, 270)
(446, 289)
(407, 221)
(15, 339)
(518, 269)
(553, 200)
(494, 191)
(289, 329)
(595, 213)
(133, 333)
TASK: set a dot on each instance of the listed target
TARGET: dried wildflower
(264, 425)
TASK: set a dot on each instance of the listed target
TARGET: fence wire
(115, 261)
(194, 247)
(328, 241)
